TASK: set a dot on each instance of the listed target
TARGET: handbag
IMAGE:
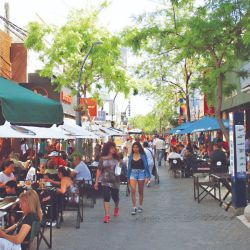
(118, 169)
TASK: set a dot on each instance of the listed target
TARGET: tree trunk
(219, 105)
(188, 109)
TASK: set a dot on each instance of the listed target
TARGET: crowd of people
(137, 159)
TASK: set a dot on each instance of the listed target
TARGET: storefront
(239, 100)
(43, 86)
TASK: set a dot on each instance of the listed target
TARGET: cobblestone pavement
(171, 220)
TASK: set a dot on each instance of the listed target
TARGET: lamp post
(78, 111)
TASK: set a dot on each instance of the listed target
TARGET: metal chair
(203, 188)
(176, 166)
(71, 201)
(35, 228)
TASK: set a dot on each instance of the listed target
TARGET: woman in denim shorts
(138, 173)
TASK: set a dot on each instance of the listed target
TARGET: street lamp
(78, 111)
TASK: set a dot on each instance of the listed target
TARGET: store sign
(92, 105)
(240, 151)
(65, 98)
(245, 81)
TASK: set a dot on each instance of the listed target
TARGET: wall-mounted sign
(92, 105)
(240, 151)
(65, 98)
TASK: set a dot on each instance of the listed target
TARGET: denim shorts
(138, 174)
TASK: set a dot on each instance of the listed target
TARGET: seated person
(31, 172)
(217, 155)
(81, 171)
(51, 168)
(7, 173)
(14, 236)
(11, 188)
(58, 158)
(173, 154)
(65, 180)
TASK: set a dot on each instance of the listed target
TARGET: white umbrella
(72, 130)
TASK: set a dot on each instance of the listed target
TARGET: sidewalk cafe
(34, 118)
(207, 161)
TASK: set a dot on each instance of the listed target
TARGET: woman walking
(138, 173)
(110, 181)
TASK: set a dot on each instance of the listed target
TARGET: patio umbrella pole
(36, 161)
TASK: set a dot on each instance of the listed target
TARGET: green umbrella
(24, 107)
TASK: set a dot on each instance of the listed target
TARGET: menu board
(231, 145)
(240, 151)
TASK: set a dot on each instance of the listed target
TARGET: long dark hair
(106, 147)
(141, 150)
(64, 171)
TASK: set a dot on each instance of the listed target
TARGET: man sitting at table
(173, 154)
(7, 173)
(81, 171)
(217, 155)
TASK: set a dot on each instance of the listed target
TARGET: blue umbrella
(180, 128)
(205, 124)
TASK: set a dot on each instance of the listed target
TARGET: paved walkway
(171, 220)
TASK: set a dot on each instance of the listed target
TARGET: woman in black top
(30, 205)
(138, 174)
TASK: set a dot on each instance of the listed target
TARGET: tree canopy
(62, 50)
(214, 37)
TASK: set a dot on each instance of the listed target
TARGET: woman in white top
(7, 173)
(173, 154)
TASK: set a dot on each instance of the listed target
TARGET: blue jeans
(138, 174)
(159, 155)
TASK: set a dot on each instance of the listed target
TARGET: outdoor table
(7, 203)
(225, 179)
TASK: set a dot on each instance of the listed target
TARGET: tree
(63, 54)
(155, 40)
(213, 37)
(216, 33)
(161, 116)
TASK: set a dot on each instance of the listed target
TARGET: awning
(12, 131)
(135, 131)
(180, 128)
(205, 124)
(21, 106)
(70, 129)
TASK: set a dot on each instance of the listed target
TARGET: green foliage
(62, 50)
(213, 37)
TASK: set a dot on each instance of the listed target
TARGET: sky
(115, 18)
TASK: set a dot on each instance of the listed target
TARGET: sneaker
(116, 212)
(140, 210)
(106, 219)
(134, 211)
(53, 223)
